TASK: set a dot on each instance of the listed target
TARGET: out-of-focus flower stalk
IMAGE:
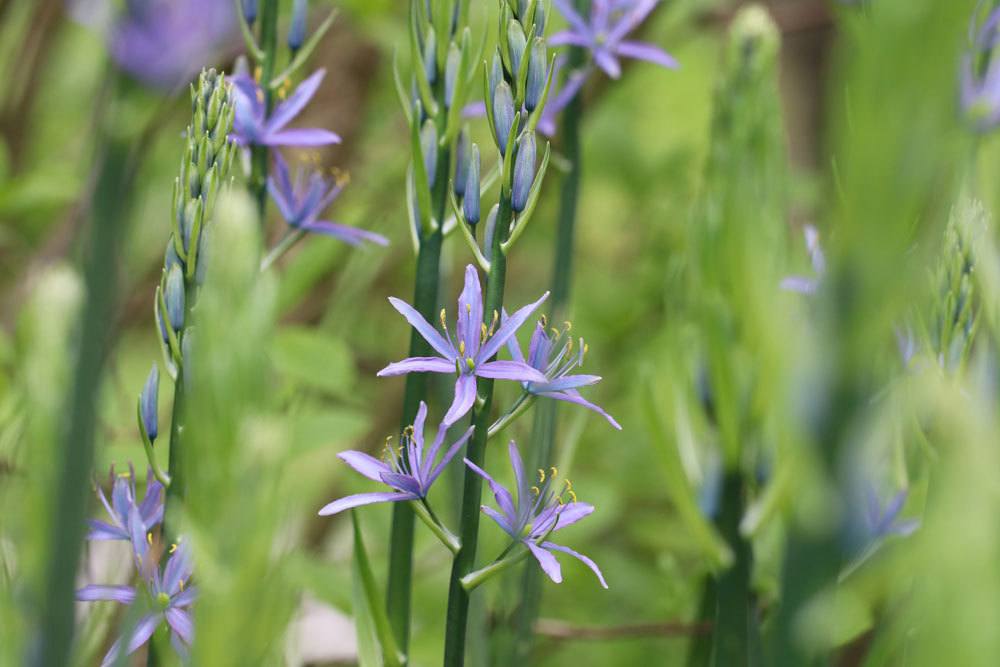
(268, 44)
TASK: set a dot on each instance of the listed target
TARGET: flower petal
(430, 334)
(548, 562)
(180, 622)
(122, 594)
(100, 530)
(631, 20)
(470, 313)
(502, 495)
(517, 465)
(579, 556)
(303, 137)
(572, 17)
(800, 284)
(508, 329)
(647, 52)
(418, 365)
(566, 382)
(500, 520)
(367, 465)
(448, 455)
(607, 62)
(346, 233)
(359, 499)
(185, 598)
(178, 569)
(291, 107)
(510, 370)
(573, 396)
(465, 396)
(569, 38)
(143, 631)
(403, 483)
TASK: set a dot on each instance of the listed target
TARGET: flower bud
(430, 56)
(170, 258)
(451, 74)
(249, 10)
(516, 43)
(537, 76)
(524, 172)
(148, 403)
(491, 225)
(495, 74)
(470, 205)
(503, 114)
(461, 162)
(174, 298)
(297, 31)
(428, 146)
(540, 18)
(191, 214)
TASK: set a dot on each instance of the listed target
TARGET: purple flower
(409, 470)
(559, 384)
(302, 200)
(123, 501)
(167, 596)
(163, 43)
(252, 126)
(604, 34)
(808, 284)
(980, 84)
(882, 522)
(536, 513)
(477, 344)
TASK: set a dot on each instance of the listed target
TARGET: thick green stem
(425, 300)
(259, 155)
(733, 606)
(111, 198)
(458, 597)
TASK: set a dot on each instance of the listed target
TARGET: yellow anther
(544, 321)
(443, 321)
(555, 332)
(461, 347)
(535, 490)
(541, 475)
(554, 471)
(257, 72)
(149, 538)
(483, 334)
(408, 431)
(181, 584)
(468, 308)
(569, 345)
(173, 548)
(568, 325)
(572, 495)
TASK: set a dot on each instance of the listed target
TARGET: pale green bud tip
(754, 37)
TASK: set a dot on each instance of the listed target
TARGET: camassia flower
(123, 500)
(252, 125)
(603, 34)
(980, 81)
(164, 597)
(409, 470)
(476, 345)
(561, 384)
(884, 521)
(808, 284)
(537, 512)
(303, 199)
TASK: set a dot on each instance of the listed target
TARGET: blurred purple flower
(536, 513)
(163, 43)
(409, 474)
(603, 34)
(167, 598)
(123, 500)
(808, 284)
(252, 125)
(980, 82)
(560, 384)
(882, 522)
(301, 201)
(477, 344)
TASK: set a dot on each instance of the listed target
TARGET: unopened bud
(451, 74)
(537, 75)
(174, 298)
(428, 146)
(503, 114)
(430, 56)
(470, 205)
(297, 31)
(524, 172)
(148, 403)
(516, 43)
(461, 162)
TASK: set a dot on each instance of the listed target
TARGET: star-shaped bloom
(808, 284)
(409, 470)
(536, 513)
(469, 354)
(123, 500)
(252, 125)
(605, 30)
(303, 199)
(980, 83)
(165, 597)
(560, 383)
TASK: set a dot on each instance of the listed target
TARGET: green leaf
(376, 644)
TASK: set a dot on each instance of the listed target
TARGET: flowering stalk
(268, 51)
(444, 91)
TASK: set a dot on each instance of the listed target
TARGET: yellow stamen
(149, 538)
(461, 347)
(541, 475)
(257, 73)
(535, 490)
(468, 308)
(444, 325)
(408, 431)
(173, 548)
(572, 495)
(544, 321)
(568, 325)
(554, 471)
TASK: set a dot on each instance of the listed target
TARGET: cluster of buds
(444, 68)
(517, 82)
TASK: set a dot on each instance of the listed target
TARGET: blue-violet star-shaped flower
(560, 384)
(536, 513)
(610, 21)
(252, 125)
(167, 598)
(303, 199)
(476, 345)
(883, 522)
(409, 470)
(123, 500)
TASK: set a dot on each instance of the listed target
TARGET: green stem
(111, 198)
(291, 237)
(472, 580)
(259, 155)
(423, 510)
(458, 597)
(733, 606)
(425, 300)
